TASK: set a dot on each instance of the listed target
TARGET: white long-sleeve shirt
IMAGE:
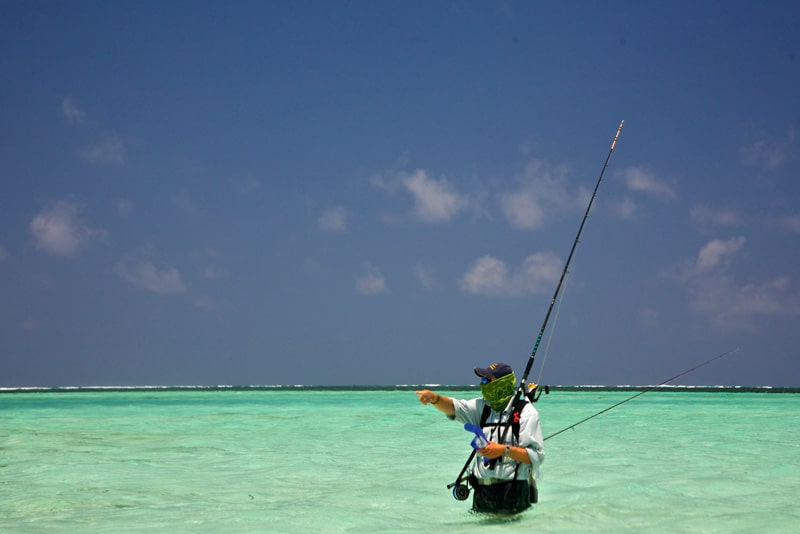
(530, 437)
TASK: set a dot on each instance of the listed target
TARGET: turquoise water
(366, 461)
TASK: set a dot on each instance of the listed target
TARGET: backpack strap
(485, 414)
(515, 417)
(515, 422)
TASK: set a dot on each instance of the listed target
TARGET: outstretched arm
(440, 402)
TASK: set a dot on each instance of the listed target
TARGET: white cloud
(764, 298)
(205, 303)
(731, 306)
(717, 252)
(627, 208)
(487, 276)
(641, 180)
(425, 275)
(542, 191)
(71, 111)
(146, 276)
(124, 207)
(434, 200)
(715, 294)
(523, 209)
(792, 223)
(58, 229)
(490, 276)
(371, 282)
(111, 151)
(384, 183)
(769, 155)
(210, 273)
(717, 217)
(334, 219)
(182, 200)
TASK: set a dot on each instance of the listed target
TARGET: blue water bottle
(479, 441)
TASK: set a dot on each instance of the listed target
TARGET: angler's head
(497, 384)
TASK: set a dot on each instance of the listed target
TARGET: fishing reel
(461, 492)
(534, 392)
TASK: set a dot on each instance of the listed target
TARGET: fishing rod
(566, 265)
(460, 491)
(651, 388)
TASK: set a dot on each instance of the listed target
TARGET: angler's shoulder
(529, 411)
(468, 410)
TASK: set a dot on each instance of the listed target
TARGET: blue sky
(385, 192)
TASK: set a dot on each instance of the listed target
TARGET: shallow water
(364, 461)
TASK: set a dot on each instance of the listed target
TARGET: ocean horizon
(397, 387)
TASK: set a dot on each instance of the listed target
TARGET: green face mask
(498, 392)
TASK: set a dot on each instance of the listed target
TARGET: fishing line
(552, 331)
(651, 388)
(460, 491)
(521, 388)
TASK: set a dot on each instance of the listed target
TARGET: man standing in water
(506, 484)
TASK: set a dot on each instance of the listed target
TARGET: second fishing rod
(460, 491)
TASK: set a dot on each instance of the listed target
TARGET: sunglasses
(485, 381)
